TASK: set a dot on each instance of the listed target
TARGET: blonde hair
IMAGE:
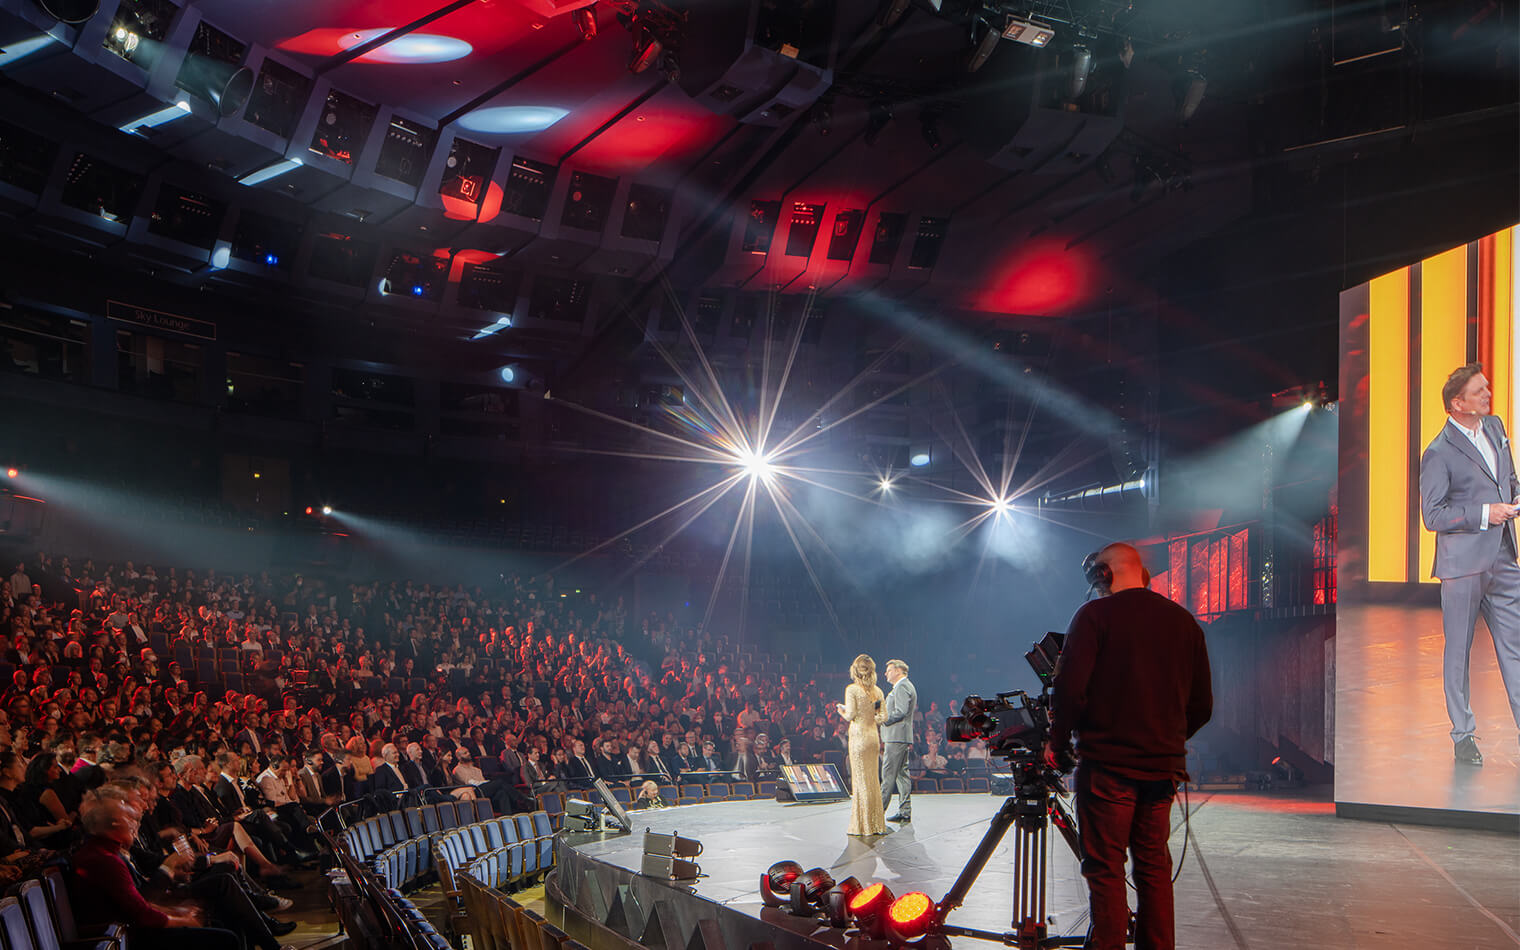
(863, 672)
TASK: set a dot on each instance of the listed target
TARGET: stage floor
(1260, 870)
(1392, 736)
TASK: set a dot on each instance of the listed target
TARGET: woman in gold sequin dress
(862, 707)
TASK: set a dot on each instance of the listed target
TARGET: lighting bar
(501, 324)
(1099, 491)
(273, 170)
(162, 117)
(1028, 32)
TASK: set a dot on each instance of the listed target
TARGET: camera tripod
(1029, 811)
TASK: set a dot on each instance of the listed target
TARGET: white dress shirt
(1486, 450)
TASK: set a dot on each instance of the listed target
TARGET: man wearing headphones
(1133, 684)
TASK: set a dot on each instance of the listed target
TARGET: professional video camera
(1015, 724)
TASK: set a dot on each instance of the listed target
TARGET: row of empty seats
(369, 837)
(525, 840)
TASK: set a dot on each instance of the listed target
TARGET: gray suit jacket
(902, 703)
(1455, 484)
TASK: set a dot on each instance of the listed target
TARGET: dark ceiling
(774, 145)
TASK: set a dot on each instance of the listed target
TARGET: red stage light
(871, 901)
(12, 473)
(910, 915)
(308, 509)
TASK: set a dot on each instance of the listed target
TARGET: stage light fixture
(776, 882)
(326, 509)
(1028, 32)
(886, 484)
(869, 908)
(1002, 505)
(809, 891)
(1080, 63)
(920, 458)
(585, 20)
(508, 374)
(836, 904)
(221, 257)
(308, 509)
(909, 916)
(271, 259)
(12, 473)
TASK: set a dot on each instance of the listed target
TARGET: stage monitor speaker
(668, 868)
(671, 845)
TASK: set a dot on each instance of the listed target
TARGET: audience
(197, 722)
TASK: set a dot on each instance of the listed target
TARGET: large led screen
(1400, 699)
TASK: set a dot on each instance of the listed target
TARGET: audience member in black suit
(609, 765)
(579, 770)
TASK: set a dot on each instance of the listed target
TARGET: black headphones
(1100, 577)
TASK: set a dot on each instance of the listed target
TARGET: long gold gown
(864, 712)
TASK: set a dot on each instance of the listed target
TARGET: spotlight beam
(1011, 460)
(735, 430)
(597, 413)
(848, 387)
(654, 549)
(965, 451)
(721, 487)
(788, 447)
(791, 360)
(746, 509)
(786, 523)
(1036, 481)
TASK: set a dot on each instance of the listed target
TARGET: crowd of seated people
(218, 715)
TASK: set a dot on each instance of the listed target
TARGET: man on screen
(1468, 491)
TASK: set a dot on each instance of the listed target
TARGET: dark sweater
(1133, 683)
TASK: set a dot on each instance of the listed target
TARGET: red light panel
(11, 473)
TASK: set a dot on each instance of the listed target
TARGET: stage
(1260, 871)
(1392, 736)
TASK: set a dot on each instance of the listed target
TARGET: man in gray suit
(1468, 491)
(897, 739)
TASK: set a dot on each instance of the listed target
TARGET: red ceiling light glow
(1044, 279)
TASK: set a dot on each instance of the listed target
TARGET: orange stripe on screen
(1443, 347)
(1388, 495)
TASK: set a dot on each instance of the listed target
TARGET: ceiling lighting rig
(657, 32)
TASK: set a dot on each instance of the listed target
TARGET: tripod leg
(979, 858)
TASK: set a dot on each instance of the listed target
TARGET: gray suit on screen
(1475, 562)
(897, 736)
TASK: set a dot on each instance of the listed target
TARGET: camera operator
(1133, 683)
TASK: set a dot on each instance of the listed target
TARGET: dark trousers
(182, 938)
(1117, 815)
(228, 905)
